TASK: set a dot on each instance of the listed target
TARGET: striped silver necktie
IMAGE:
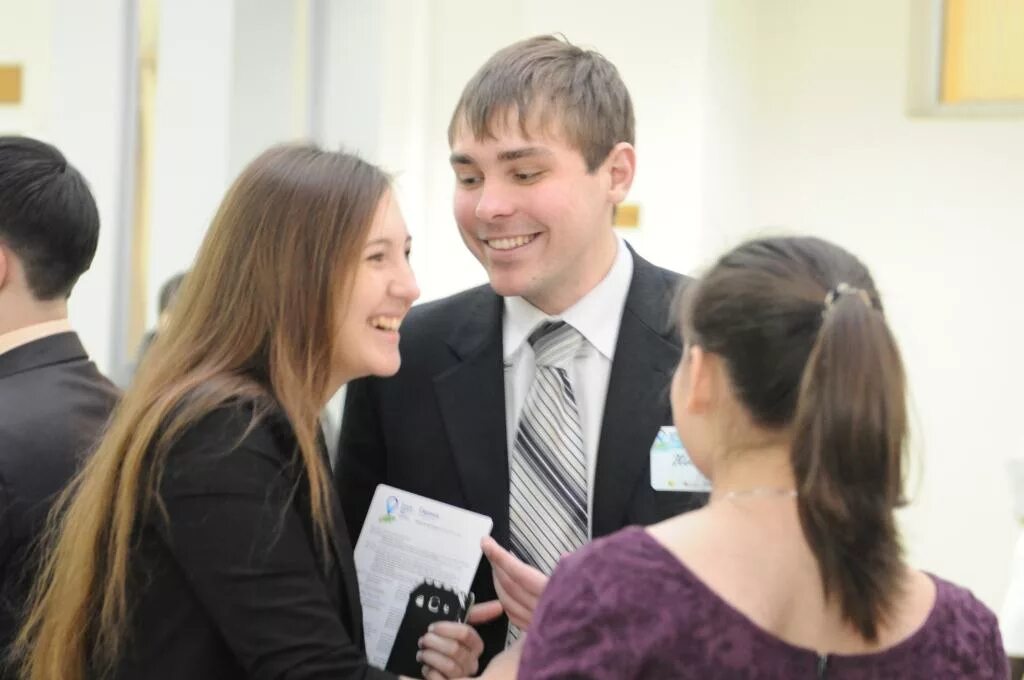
(547, 467)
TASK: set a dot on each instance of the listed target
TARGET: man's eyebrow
(503, 156)
(525, 152)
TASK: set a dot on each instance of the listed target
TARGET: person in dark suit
(204, 538)
(542, 150)
(54, 402)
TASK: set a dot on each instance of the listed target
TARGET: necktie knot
(555, 343)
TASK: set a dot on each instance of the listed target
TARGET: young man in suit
(546, 429)
(53, 401)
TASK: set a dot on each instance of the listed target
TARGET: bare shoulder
(677, 534)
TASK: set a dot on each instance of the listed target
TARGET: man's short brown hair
(548, 79)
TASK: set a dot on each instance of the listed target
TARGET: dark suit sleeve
(6, 542)
(8, 576)
(234, 530)
(362, 453)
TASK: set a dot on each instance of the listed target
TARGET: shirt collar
(589, 315)
(27, 334)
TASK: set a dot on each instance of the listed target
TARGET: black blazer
(438, 427)
(233, 583)
(54, 404)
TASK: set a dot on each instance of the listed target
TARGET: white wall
(814, 92)
(192, 136)
(266, 104)
(25, 39)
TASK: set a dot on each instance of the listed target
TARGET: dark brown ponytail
(848, 441)
(800, 326)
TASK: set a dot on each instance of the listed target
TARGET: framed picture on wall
(967, 58)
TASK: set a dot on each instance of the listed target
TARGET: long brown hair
(256, 320)
(830, 374)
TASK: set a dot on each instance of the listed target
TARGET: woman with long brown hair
(204, 539)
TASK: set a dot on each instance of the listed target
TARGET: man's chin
(509, 286)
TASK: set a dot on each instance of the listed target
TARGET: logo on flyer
(390, 505)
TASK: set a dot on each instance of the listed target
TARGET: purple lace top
(624, 607)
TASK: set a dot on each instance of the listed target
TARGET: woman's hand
(452, 650)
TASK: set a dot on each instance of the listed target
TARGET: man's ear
(621, 168)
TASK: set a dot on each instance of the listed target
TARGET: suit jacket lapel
(471, 396)
(645, 355)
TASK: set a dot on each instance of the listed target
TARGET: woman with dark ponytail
(790, 399)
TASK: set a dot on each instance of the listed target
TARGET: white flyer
(405, 539)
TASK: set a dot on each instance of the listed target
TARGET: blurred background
(893, 127)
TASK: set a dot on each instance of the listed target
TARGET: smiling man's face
(531, 213)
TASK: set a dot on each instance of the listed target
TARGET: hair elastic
(847, 289)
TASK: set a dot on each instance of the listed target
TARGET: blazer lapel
(635, 407)
(344, 552)
(471, 397)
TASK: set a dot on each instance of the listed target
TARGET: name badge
(671, 467)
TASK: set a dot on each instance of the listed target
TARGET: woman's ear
(701, 392)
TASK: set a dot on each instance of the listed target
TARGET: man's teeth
(387, 323)
(510, 243)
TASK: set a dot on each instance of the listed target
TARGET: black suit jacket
(233, 583)
(438, 427)
(54, 404)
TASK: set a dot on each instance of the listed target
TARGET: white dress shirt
(597, 316)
